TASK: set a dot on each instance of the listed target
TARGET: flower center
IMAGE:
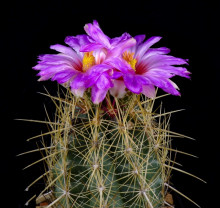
(88, 61)
(129, 57)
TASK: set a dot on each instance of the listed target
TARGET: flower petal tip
(86, 27)
(40, 79)
(177, 93)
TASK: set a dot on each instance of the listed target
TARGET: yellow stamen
(129, 57)
(88, 61)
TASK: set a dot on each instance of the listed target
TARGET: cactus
(108, 156)
(113, 150)
(115, 154)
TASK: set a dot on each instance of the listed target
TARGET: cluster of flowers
(116, 65)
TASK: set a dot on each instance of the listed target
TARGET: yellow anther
(129, 57)
(88, 61)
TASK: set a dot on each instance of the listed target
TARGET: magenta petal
(77, 42)
(169, 71)
(120, 48)
(95, 72)
(139, 38)
(165, 60)
(79, 81)
(92, 79)
(161, 50)
(104, 81)
(94, 31)
(116, 75)
(99, 68)
(100, 55)
(71, 62)
(59, 58)
(156, 51)
(43, 78)
(98, 95)
(158, 72)
(142, 49)
(123, 37)
(119, 64)
(90, 47)
(180, 71)
(39, 66)
(172, 88)
(119, 89)
(164, 83)
(63, 49)
(132, 83)
(73, 42)
(149, 91)
(52, 69)
(78, 92)
(64, 76)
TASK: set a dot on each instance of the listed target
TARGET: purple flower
(95, 61)
(141, 68)
(82, 65)
(77, 71)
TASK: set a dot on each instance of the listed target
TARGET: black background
(188, 28)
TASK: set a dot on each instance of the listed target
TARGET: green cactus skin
(107, 155)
